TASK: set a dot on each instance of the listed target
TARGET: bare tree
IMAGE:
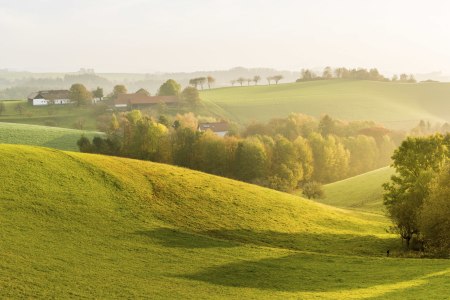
(269, 79)
(193, 82)
(277, 78)
(210, 80)
(201, 81)
(240, 80)
(256, 78)
(327, 73)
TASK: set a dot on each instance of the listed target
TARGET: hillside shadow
(176, 239)
(314, 242)
(312, 273)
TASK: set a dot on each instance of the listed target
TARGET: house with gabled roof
(219, 128)
(141, 100)
(49, 97)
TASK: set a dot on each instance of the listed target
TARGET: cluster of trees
(79, 94)
(256, 79)
(418, 196)
(283, 154)
(355, 74)
(426, 128)
(201, 81)
(404, 78)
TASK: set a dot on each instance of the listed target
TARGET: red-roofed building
(140, 100)
(219, 128)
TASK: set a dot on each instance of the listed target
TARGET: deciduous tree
(79, 94)
(169, 88)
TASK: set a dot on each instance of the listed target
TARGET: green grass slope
(53, 137)
(75, 225)
(362, 192)
(57, 115)
(397, 105)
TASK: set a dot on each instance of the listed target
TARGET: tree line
(283, 154)
(255, 79)
(417, 197)
(353, 74)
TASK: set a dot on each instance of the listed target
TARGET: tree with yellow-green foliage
(79, 94)
(434, 222)
(169, 88)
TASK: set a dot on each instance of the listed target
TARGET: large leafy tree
(98, 93)
(415, 162)
(79, 94)
(434, 218)
(119, 89)
(190, 95)
(169, 88)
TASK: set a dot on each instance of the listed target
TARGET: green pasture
(396, 105)
(76, 225)
(53, 137)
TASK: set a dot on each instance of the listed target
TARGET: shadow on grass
(315, 242)
(314, 273)
(176, 239)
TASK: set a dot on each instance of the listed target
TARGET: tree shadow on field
(313, 273)
(347, 244)
(176, 239)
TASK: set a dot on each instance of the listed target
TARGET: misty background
(50, 44)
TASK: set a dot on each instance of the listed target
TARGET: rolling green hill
(76, 225)
(396, 105)
(53, 137)
(362, 192)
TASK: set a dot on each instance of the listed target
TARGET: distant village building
(49, 97)
(219, 128)
(140, 100)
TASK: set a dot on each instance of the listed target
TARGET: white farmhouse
(49, 97)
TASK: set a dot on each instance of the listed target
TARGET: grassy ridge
(53, 137)
(363, 192)
(78, 225)
(397, 105)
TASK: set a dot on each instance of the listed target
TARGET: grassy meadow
(53, 137)
(89, 226)
(362, 192)
(396, 105)
(64, 116)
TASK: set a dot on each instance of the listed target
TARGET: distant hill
(53, 137)
(395, 105)
(362, 192)
(75, 225)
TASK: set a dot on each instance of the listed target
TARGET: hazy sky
(187, 35)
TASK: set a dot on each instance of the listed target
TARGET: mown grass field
(78, 225)
(65, 116)
(53, 137)
(363, 192)
(396, 105)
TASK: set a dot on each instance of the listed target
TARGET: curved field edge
(363, 192)
(396, 105)
(78, 225)
(45, 136)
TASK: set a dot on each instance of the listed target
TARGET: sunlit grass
(53, 137)
(396, 105)
(78, 225)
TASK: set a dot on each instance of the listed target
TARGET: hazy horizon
(179, 36)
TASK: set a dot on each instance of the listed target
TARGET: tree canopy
(169, 88)
(79, 94)
(416, 161)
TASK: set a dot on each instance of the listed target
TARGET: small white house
(49, 97)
